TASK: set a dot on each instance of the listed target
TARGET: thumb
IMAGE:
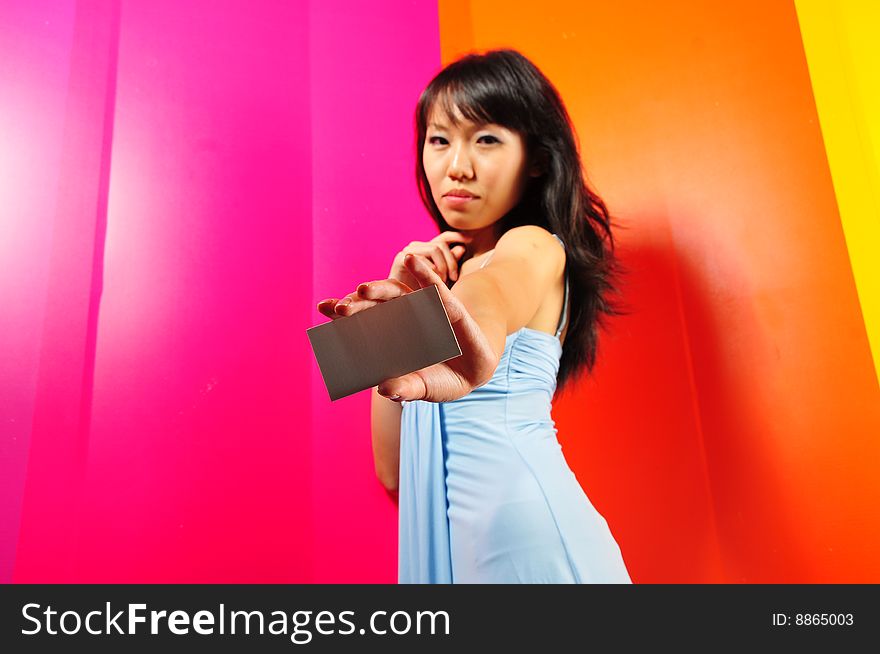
(457, 251)
(422, 270)
(425, 276)
(408, 387)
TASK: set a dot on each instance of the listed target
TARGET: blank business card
(388, 340)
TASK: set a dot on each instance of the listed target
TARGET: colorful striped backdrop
(182, 181)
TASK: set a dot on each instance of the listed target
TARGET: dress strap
(564, 319)
(486, 260)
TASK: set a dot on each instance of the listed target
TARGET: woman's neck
(482, 240)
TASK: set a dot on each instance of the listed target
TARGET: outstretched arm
(442, 382)
(482, 307)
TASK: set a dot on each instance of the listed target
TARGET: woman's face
(486, 161)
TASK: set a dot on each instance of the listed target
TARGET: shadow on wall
(678, 437)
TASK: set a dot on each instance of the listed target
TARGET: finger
(425, 276)
(449, 260)
(451, 237)
(353, 303)
(441, 266)
(327, 308)
(355, 306)
(426, 250)
(340, 305)
(369, 294)
(420, 270)
(383, 289)
(458, 251)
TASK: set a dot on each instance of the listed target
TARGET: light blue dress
(485, 493)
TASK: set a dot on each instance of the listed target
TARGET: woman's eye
(491, 138)
(434, 140)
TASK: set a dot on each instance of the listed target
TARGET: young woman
(485, 493)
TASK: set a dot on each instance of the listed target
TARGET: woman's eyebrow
(475, 127)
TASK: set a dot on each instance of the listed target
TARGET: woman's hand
(440, 256)
(442, 382)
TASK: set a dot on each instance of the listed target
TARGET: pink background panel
(176, 425)
(368, 69)
(35, 49)
(191, 179)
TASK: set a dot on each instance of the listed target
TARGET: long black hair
(505, 88)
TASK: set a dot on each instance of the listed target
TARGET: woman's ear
(539, 164)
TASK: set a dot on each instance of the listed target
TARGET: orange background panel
(729, 433)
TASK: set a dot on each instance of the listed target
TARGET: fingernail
(344, 302)
(363, 288)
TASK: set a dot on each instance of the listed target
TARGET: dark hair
(505, 88)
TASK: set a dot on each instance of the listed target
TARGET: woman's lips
(457, 200)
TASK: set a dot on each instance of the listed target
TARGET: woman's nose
(460, 165)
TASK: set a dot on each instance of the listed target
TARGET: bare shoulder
(527, 266)
(541, 251)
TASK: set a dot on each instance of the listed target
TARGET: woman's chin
(459, 222)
